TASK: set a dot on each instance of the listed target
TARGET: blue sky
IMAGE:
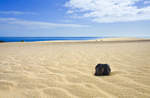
(47, 18)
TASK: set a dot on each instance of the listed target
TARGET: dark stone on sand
(102, 70)
(2, 41)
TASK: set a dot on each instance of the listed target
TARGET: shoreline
(103, 40)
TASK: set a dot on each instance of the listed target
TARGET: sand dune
(65, 70)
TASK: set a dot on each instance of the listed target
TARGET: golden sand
(65, 70)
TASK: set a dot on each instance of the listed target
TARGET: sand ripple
(65, 70)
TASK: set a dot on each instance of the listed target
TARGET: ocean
(32, 39)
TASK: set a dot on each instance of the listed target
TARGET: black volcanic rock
(102, 70)
(2, 41)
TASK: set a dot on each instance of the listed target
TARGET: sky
(74, 18)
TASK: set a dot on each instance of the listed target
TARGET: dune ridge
(66, 70)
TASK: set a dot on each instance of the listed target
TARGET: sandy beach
(66, 69)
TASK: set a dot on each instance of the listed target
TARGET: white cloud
(17, 12)
(7, 19)
(69, 12)
(37, 24)
(109, 11)
(147, 2)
